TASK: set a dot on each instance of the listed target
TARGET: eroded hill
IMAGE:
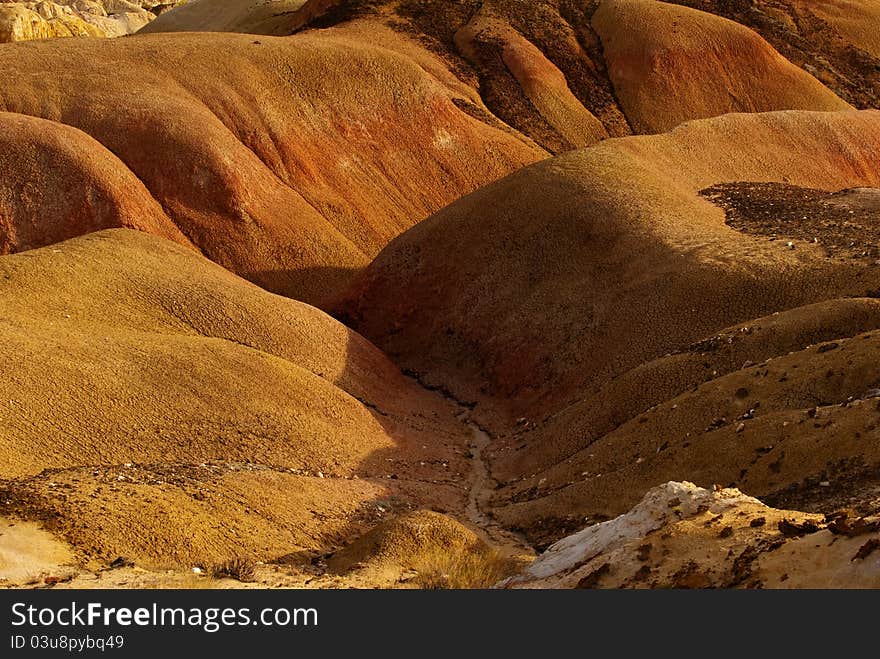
(687, 290)
(159, 408)
(541, 65)
(292, 166)
(616, 331)
(283, 168)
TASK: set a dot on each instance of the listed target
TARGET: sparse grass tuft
(238, 568)
(441, 570)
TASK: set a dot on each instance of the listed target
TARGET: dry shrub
(238, 568)
(463, 570)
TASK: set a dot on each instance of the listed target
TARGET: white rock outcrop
(684, 536)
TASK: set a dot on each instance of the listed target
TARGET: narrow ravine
(480, 484)
(480, 488)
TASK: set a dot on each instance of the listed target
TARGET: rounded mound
(148, 395)
(60, 183)
(155, 354)
(671, 64)
(406, 541)
(171, 514)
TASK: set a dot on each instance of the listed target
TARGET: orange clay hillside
(59, 183)
(301, 157)
(577, 296)
(670, 64)
(833, 40)
(291, 165)
(399, 293)
(488, 42)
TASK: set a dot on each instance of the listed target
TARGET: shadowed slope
(523, 86)
(654, 382)
(857, 20)
(759, 406)
(131, 361)
(542, 286)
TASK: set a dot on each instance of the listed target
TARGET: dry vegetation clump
(442, 570)
(239, 568)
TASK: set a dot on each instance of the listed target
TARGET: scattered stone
(642, 574)
(717, 423)
(867, 549)
(790, 528)
(842, 525)
(593, 578)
